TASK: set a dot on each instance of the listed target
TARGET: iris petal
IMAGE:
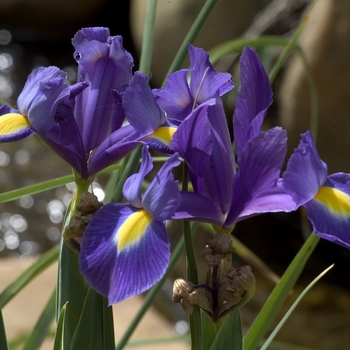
(132, 186)
(13, 127)
(123, 252)
(328, 222)
(254, 98)
(162, 196)
(258, 172)
(305, 172)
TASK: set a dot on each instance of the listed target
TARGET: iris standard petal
(305, 172)
(140, 106)
(133, 184)
(205, 81)
(253, 100)
(258, 171)
(44, 90)
(105, 65)
(175, 98)
(162, 197)
(13, 127)
(123, 252)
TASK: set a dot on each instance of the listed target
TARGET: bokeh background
(38, 33)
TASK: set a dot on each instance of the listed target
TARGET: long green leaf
(148, 35)
(209, 331)
(96, 317)
(59, 336)
(3, 339)
(291, 309)
(42, 326)
(273, 304)
(191, 36)
(229, 336)
(31, 272)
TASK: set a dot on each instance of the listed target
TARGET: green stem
(278, 296)
(290, 46)
(148, 35)
(191, 36)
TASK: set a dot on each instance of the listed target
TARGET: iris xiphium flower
(125, 249)
(80, 122)
(326, 198)
(203, 141)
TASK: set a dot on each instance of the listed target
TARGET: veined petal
(329, 211)
(140, 106)
(105, 65)
(13, 127)
(258, 172)
(123, 252)
(194, 206)
(206, 82)
(175, 98)
(162, 197)
(44, 90)
(305, 172)
(132, 186)
(115, 147)
(254, 98)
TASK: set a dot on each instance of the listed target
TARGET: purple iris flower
(203, 141)
(326, 198)
(125, 249)
(180, 97)
(158, 112)
(80, 120)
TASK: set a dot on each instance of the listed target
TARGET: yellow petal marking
(12, 122)
(164, 134)
(133, 228)
(336, 200)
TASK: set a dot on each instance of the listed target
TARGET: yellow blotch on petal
(335, 200)
(133, 228)
(11, 123)
(164, 134)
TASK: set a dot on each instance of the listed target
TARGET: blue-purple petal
(258, 173)
(196, 207)
(44, 90)
(118, 263)
(140, 106)
(104, 65)
(205, 81)
(132, 186)
(253, 100)
(305, 172)
(162, 197)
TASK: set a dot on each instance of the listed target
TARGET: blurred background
(38, 33)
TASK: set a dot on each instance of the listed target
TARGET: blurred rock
(326, 44)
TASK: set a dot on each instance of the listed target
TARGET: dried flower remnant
(226, 288)
(87, 207)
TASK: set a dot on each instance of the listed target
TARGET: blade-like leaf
(97, 317)
(291, 309)
(58, 345)
(229, 337)
(3, 339)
